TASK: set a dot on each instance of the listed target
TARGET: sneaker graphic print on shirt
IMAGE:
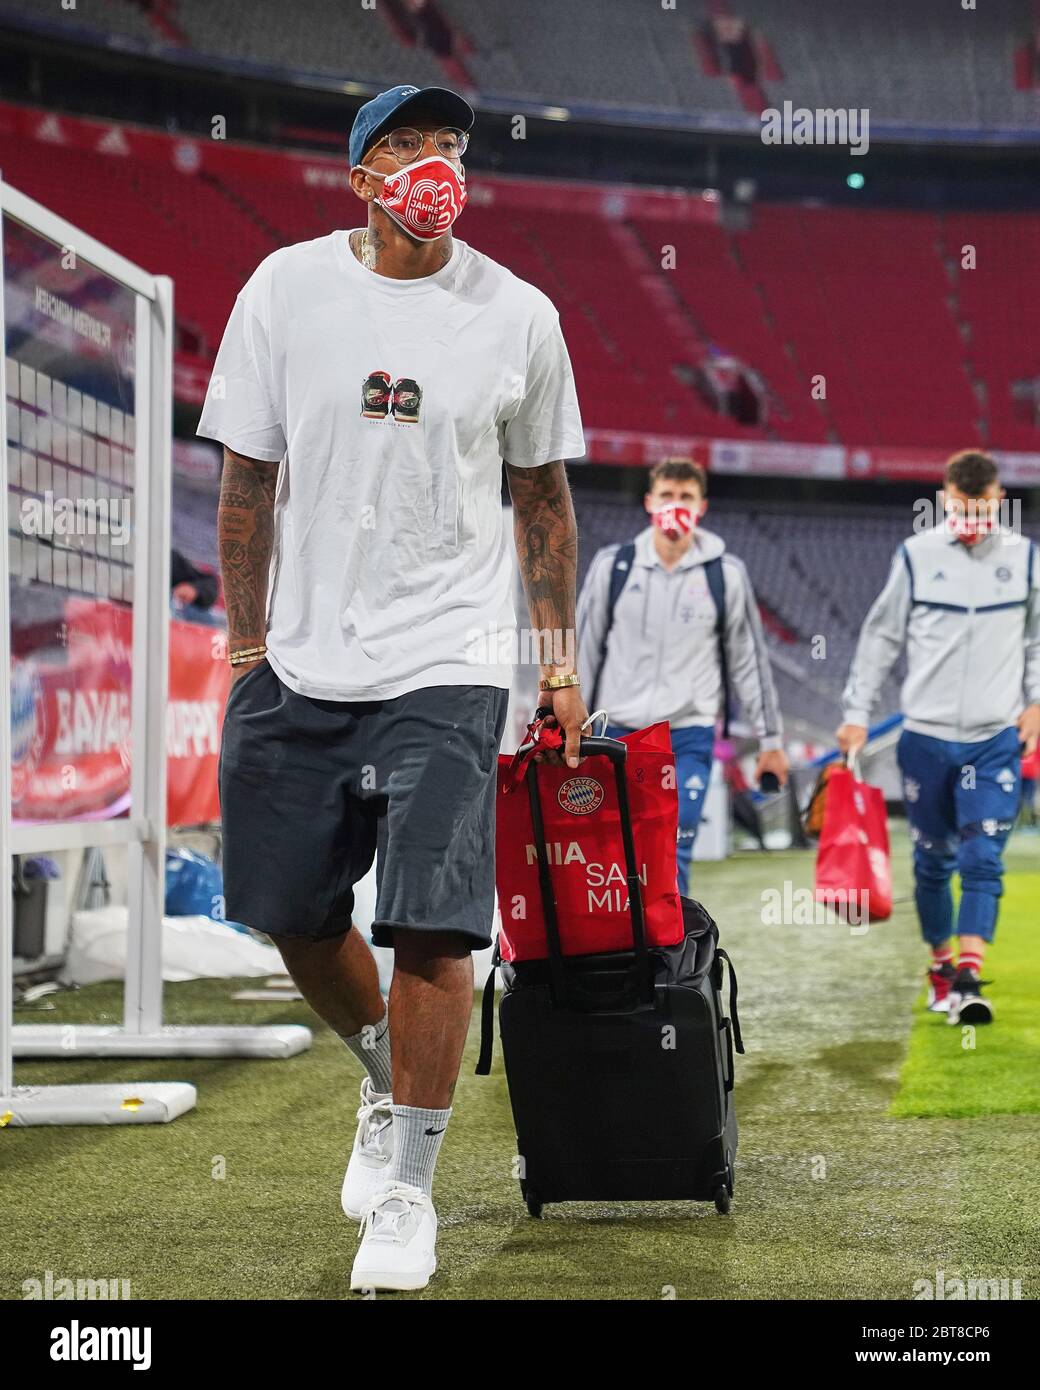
(407, 400)
(375, 395)
(382, 396)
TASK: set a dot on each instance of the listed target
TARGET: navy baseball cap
(392, 108)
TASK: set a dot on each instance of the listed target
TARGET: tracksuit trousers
(961, 802)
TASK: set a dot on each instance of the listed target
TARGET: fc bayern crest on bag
(581, 795)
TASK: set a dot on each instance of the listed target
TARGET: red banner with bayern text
(71, 742)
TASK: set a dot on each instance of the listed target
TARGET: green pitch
(993, 1070)
(836, 1195)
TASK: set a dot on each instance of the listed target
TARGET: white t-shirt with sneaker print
(391, 405)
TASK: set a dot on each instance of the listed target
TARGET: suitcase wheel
(534, 1204)
(722, 1200)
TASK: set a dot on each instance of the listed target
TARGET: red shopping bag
(582, 832)
(853, 865)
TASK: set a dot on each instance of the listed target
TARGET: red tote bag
(853, 865)
(582, 830)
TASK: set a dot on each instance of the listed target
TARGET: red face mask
(423, 198)
(969, 529)
(674, 520)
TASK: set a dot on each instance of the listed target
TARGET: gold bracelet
(558, 682)
(246, 654)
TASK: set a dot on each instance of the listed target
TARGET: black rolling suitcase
(620, 1066)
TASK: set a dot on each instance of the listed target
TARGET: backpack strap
(716, 578)
(619, 572)
(487, 1016)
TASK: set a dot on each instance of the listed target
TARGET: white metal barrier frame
(143, 831)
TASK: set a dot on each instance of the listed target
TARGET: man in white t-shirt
(368, 389)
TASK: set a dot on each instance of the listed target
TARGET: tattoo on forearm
(547, 546)
(245, 532)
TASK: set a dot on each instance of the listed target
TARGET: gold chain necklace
(367, 256)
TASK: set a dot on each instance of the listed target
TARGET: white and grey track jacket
(970, 619)
(662, 659)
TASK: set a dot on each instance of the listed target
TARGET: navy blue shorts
(312, 790)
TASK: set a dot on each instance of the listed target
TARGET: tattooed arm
(547, 547)
(245, 534)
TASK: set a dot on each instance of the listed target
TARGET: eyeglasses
(407, 144)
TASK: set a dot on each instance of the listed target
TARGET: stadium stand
(862, 299)
(998, 316)
(836, 284)
(310, 35)
(800, 293)
(915, 67)
(528, 51)
(124, 17)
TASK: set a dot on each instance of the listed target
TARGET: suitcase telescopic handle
(617, 752)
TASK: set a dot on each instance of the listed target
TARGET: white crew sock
(418, 1134)
(372, 1049)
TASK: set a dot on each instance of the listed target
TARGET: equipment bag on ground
(619, 1064)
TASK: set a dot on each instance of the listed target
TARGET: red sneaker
(940, 982)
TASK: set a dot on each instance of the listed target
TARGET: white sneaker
(372, 1156)
(398, 1241)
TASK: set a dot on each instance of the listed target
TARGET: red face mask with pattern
(423, 198)
(674, 520)
(972, 526)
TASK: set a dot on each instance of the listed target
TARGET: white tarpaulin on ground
(193, 948)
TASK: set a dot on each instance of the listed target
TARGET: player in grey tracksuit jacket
(967, 609)
(662, 658)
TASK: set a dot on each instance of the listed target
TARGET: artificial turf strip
(834, 1196)
(991, 1070)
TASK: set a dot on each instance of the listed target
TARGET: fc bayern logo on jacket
(382, 396)
(581, 795)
